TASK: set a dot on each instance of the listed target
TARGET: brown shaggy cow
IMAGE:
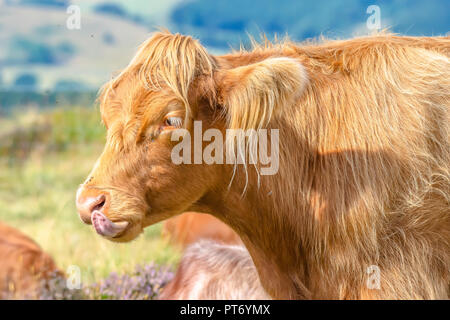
(191, 227)
(364, 159)
(23, 264)
(213, 271)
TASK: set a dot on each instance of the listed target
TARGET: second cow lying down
(215, 264)
(191, 227)
(212, 270)
(23, 265)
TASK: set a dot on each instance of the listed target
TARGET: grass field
(44, 156)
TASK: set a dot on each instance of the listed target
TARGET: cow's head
(172, 82)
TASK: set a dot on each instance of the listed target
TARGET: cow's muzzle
(93, 205)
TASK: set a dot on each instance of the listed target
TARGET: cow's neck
(272, 240)
(283, 224)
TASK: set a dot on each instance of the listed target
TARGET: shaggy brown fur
(364, 175)
(191, 227)
(23, 264)
(214, 271)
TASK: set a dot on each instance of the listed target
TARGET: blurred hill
(42, 47)
(222, 22)
(41, 57)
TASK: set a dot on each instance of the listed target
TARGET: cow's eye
(176, 122)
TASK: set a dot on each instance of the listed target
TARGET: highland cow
(24, 267)
(191, 227)
(214, 271)
(364, 159)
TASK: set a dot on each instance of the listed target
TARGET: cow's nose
(88, 201)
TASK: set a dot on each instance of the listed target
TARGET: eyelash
(176, 122)
(169, 123)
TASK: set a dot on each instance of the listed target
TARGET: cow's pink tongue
(106, 227)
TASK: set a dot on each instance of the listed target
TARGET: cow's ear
(251, 94)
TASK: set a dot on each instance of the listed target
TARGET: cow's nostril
(100, 204)
(88, 201)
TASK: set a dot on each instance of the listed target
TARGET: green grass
(37, 194)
